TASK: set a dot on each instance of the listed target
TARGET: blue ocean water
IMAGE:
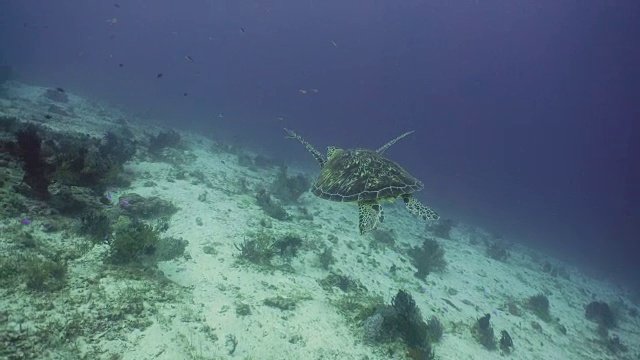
(525, 112)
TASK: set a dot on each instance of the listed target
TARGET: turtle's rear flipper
(418, 209)
(370, 214)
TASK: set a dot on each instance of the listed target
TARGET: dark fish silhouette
(159, 75)
(59, 89)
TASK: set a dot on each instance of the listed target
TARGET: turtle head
(333, 151)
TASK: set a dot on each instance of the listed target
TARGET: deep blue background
(525, 111)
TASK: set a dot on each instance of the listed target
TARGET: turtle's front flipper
(418, 209)
(370, 214)
(316, 154)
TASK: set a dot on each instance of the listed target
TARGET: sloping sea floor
(128, 241)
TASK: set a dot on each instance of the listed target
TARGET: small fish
(185, 94)
(159, 75)
(220, 115)
(280, 118)
(302, 91)
(25, 221)
(334, 43)
(112, 21)
(188, 58)
(121, 65)
(116, 5)
(242, 29)
(314, 90)
(59, 89)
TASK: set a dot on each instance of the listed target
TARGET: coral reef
(600, 313)
(150, 207)
(539, 305)
(326, 258)
(37, 172)
(441, 228)
(132, 240)
(289, 188)
(403, 319)
(506, 343)
(163, 140)
(270, 206)
(483, 332)
(427, 258)
(57, 95)
(497, 251)
(342, 282)
(288, 245)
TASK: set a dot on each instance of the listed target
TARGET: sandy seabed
(212, 303)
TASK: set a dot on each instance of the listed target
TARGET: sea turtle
(365, 177)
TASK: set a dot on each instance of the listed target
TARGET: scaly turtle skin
(365, 177)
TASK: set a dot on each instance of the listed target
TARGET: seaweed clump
(257, 248)
(428, 258)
